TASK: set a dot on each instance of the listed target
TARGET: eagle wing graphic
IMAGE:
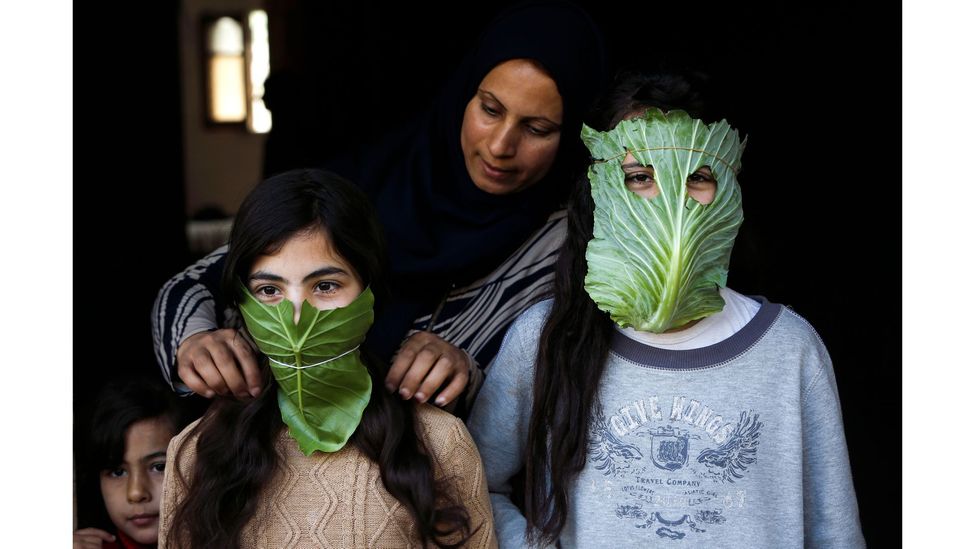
(730, 460)
(609, 454)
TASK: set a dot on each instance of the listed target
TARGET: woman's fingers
(204, 366)
(402, 363)
(422, 366)
(249, 365)
(219, 362)
(225, 360)
(457, 385)
(434, 379)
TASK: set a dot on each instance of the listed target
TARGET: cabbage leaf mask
(323, 386)
(657, 263)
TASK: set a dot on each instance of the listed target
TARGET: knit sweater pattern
(337, 500)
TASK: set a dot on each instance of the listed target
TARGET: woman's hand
(219, 362)
(421, 366)
(91, 538)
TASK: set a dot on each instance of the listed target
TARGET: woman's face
(511, 129)
(131, 490)
(306, 267)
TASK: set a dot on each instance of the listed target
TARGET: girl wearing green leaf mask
(324, 456)
(662, 406)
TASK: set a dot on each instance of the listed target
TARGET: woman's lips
(493, 172)
(143, 520)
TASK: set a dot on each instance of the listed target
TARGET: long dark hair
(575, 340)
(120, 404)
(236, 454)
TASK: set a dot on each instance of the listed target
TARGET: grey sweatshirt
(739, 444)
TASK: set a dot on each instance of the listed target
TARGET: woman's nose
(504, 141)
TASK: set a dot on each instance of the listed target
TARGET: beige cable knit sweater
(338, 499)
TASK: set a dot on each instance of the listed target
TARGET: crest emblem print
(669, 448)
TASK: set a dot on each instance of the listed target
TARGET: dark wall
(816, 87)
(128, 194)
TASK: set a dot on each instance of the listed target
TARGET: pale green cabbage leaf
(655, 264)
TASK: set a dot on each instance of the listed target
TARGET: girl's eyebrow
(324, 271)
(634, 165)
(154, 455)
(264, 275)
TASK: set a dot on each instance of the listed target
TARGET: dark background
(816, 86)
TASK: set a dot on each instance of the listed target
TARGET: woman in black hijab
(463, 196)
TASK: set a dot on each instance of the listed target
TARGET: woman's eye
(489, 110)
(327, 287)
(538, 131)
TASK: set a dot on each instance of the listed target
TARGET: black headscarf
(441, 229)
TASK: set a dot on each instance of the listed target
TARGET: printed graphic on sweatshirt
(673, 462)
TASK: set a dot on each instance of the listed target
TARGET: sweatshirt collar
(712, 355)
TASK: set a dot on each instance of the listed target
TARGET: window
(237, 62)
(259, 120)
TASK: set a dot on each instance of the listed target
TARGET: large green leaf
(322, 404)
(656, 264)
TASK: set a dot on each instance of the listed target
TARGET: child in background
(131, 426)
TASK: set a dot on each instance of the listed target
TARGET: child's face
(640, 181)
(131, 491)
(306, 267)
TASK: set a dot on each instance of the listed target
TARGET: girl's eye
(639, 178)
(327, 287)
(158, 467)
(703, 175)
(266, 291)
(116, 473)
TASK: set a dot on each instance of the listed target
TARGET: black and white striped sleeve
(476, 317)
(187, 304)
